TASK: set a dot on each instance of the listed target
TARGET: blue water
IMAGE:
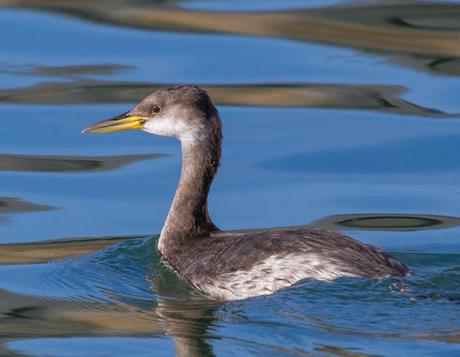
(340, 115)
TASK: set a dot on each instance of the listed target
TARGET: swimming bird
(229, 265)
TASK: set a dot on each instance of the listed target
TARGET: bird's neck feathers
(188, 217)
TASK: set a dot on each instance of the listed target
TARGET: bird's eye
(156, 109)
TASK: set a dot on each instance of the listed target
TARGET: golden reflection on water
(29, 317)
(46, 251)
(382, 98)
(419, 34)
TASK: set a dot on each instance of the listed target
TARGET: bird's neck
(188, 217)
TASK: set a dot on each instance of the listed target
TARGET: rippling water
(343, 115)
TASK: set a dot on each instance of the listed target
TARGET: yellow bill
(121, 122)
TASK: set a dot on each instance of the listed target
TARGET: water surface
(343, 115)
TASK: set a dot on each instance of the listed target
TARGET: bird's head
(184, 112)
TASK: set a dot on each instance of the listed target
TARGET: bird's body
(228, 265)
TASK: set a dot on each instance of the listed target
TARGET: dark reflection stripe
(383, 98)
(17, 205)
(68, 164)
(74, 71)
(13, 205)
(387, 222)
(402, 28)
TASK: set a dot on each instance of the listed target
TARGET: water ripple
(128, 282)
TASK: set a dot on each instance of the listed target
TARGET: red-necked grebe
(228, 265)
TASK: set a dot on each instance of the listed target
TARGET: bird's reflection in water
(139, 295)
(148, 300)
(184, 314)
(24, 318)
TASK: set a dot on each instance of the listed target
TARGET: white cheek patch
(163, 126)
(172, 124)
